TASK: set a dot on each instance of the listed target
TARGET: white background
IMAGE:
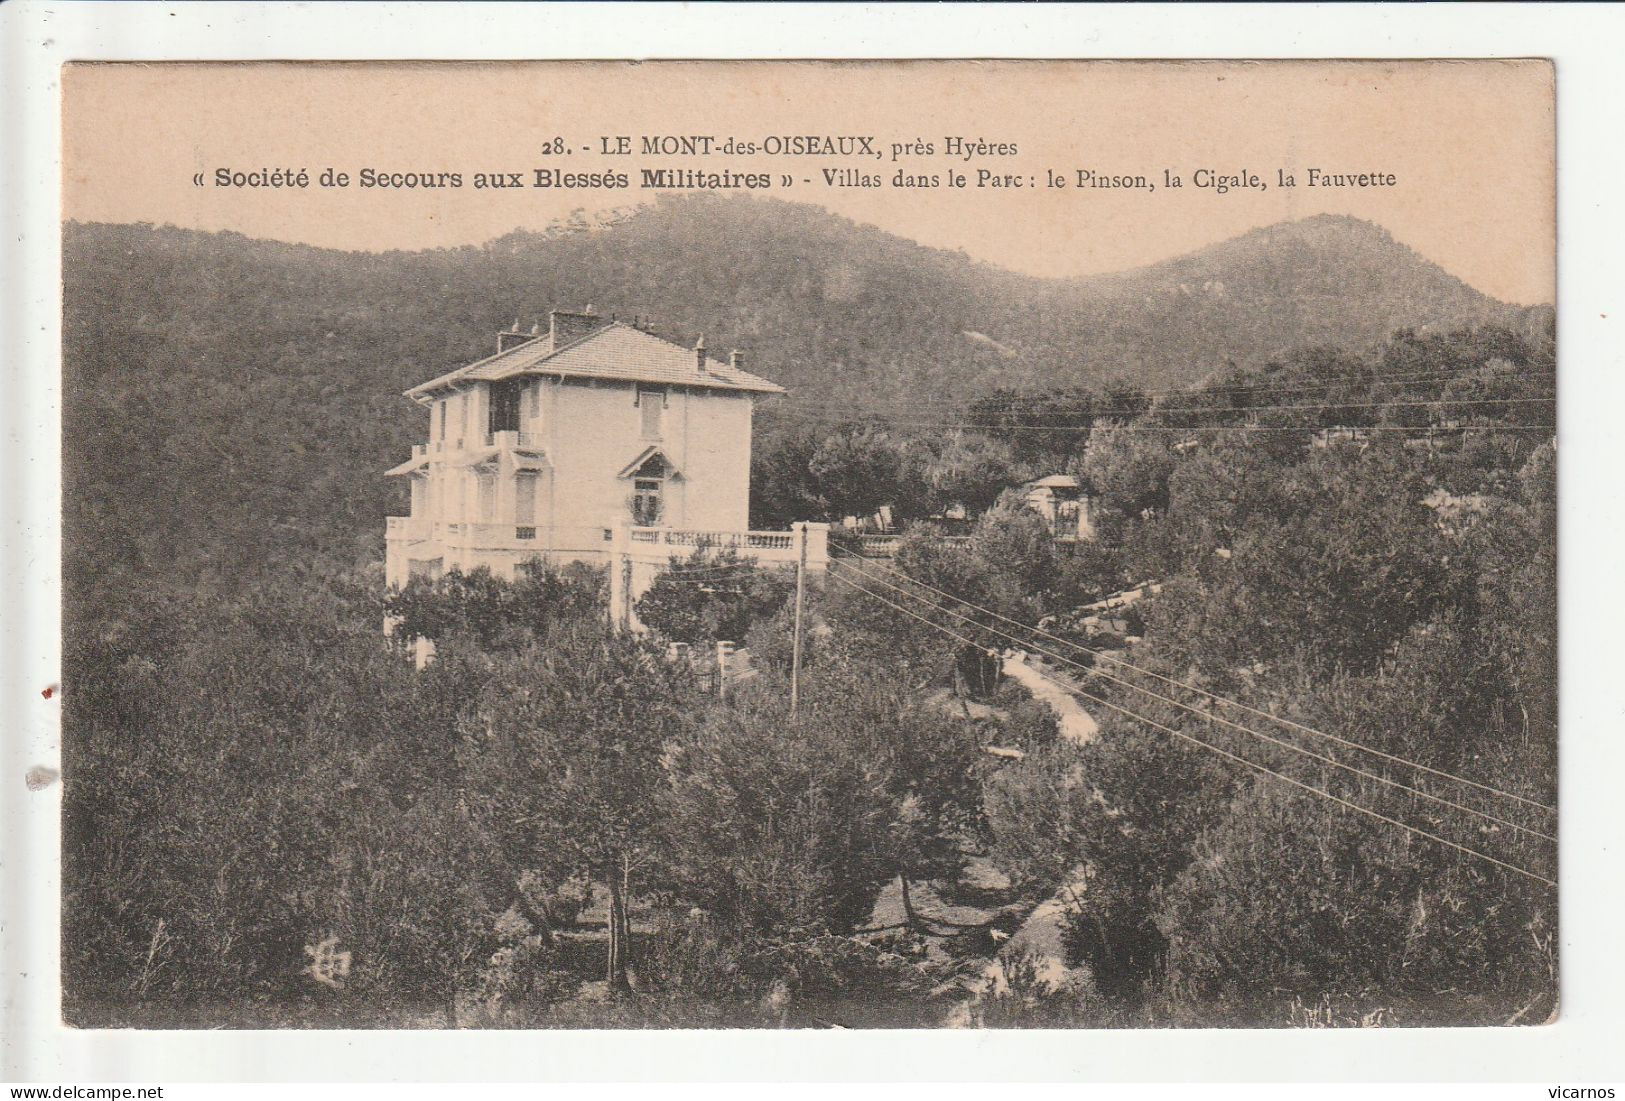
(1588, 44)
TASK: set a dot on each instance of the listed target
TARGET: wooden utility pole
(626, 591)
(801, 595)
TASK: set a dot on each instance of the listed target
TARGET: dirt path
(1077, 725)
(1038, 943)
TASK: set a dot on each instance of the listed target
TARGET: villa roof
(615, 351)
(415, 463)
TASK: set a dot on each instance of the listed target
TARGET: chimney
(699, 354)
(736, 360)
(512, 338)
(567, 327)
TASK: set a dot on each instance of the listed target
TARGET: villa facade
(575, 443)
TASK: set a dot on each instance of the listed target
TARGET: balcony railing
(511, 438)
(730, 540)
(884, 546)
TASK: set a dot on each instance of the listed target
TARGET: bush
(824, 981)
(495, 614)
(302, 788)
(774, 823)
(1339, 904)
(712, 596)
(1039, 811)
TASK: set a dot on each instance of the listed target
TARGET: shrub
(711, 596)
(493, 613)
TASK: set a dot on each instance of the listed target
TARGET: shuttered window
(488, 497)
(651, 401)
(524, 498)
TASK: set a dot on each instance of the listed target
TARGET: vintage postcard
(892, 544)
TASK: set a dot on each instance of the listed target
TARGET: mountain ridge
(1322, 279)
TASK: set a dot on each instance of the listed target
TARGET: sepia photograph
(809, 545)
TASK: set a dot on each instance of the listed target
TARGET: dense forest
(1318, 794)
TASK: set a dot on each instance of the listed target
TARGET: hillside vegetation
(232, 402)
(1323, 788)
(449, 829)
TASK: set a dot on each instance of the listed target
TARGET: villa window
(651, 402)
(487, 497)
(646, 502)
(524, 500)
(648, 492)
(504, 413)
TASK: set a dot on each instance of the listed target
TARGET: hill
(231, 401)
(1326, 280)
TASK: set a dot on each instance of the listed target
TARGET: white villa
(592, 441)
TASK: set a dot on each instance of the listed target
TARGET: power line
(701, 580)
(905, 611)
(961, 426)
(1306, 787)
(1215, 718)
(1075, 690)
(978, 409)
(971, 411)
(1212, 695)
(1267, 386)
(684, 573)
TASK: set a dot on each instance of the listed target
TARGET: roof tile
(616, 351)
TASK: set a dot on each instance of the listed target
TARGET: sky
(1468, 146)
